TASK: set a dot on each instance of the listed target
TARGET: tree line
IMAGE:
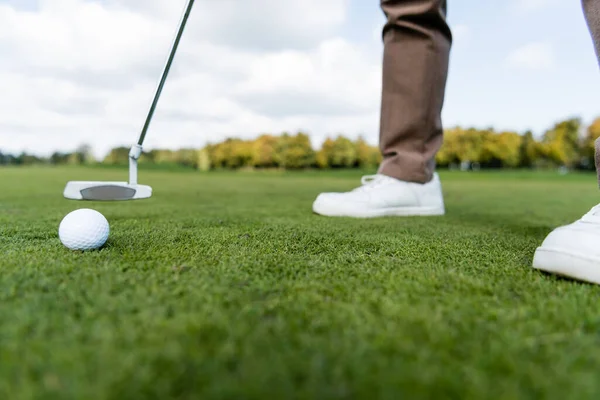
(566, 144)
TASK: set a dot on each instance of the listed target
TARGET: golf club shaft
(166, 71)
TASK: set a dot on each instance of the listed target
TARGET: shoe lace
(370, 182)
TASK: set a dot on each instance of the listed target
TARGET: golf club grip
(166, 71)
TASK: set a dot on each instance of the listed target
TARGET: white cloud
(269, 24)
(298, 77)
(257, 24)
(532, 56)
(74, 71)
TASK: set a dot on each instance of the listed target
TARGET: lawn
(226, 286)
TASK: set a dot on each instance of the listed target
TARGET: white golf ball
(83, 229)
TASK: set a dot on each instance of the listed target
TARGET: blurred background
(285, 84)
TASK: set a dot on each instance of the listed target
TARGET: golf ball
(83, 229)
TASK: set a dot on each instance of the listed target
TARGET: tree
(367, 156)
(7, 159)
(338, 153)
(147, 157)
(502, 149)
(231, 154)
(186, 157)
(59, 158)
(561, 143)
(240, 154)
(218, 154)
(263, 151)
(462, 146)
(203, 159)
(446, 154)
(74, 159)
(84, 154)
(164, 156)
(294, 152)
(117, 156)
(529, 150)
(588, 147)
(470, 144)
(344, 153)
(323, 156)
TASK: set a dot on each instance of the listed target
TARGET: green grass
(225, 286)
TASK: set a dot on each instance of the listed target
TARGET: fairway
(226, 286)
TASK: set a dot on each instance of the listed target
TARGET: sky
(78, 72)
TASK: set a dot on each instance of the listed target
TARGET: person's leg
(417, 43)
(573, 250)
(591, 10)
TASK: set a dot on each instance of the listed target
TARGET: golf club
(112, 191)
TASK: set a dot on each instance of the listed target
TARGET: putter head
(106, 191)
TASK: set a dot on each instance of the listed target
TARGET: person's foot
(381, 196)
(573, 250)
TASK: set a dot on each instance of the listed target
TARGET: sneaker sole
(386, 212)
(570, 265)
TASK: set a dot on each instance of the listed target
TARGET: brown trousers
(591, 9)
(417, 42)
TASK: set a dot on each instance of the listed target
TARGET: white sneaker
(381, 196)
(573, 250)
